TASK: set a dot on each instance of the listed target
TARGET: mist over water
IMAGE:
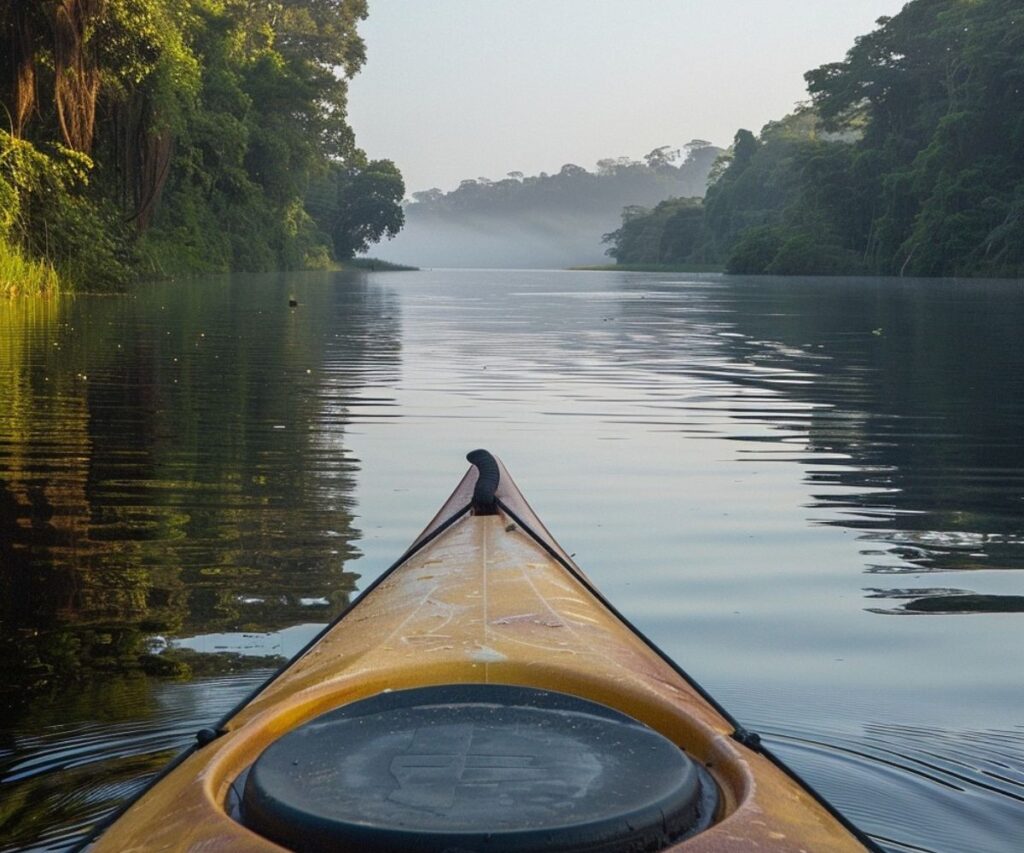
(549, 241)
(543, 221)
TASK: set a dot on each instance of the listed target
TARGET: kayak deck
(486, 599)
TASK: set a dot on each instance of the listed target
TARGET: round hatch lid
(475, 767)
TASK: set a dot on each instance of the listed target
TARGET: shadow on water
(174, 465)
(948, 601)
(917, 395)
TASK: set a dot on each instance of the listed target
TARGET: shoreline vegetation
(21, 276)
(153, 139)
(908, 160)
(149, 139)
(690, 268)
(375, 265)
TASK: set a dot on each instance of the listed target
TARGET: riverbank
(167, 156)
(21, 276)
(374, 265)
(650, 268)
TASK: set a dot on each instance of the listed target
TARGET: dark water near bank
(811, 494)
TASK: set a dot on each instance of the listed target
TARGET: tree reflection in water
(173, 464)
(904, 400)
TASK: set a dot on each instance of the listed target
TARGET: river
(810, 493)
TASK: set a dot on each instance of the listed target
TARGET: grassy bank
(22, 276)
(651, 268)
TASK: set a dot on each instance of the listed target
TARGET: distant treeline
(180, 136)
(543, 220)
(908, 160)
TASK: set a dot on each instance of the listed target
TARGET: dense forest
(543, 220)
(907, 160)
(161, 137)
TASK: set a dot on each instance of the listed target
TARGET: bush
(802, 253)
(48, 219)
(755, 250)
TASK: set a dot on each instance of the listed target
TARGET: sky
(456, 89)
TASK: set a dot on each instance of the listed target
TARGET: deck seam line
(486, 604)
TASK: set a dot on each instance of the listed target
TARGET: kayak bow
(481, 695)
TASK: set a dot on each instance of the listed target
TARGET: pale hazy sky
(457, 89)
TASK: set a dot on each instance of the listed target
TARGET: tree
(909, 158)
(935, 91)
(428, 196)
(662, 156)
(362, 207)
(755, 250)
(666, 234)
(744, 147)
(204, 122)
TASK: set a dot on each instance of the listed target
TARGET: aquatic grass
(21, 276)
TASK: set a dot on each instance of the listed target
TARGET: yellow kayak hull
(486, 599)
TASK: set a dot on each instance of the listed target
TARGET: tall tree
(204, 122)
(359, 205)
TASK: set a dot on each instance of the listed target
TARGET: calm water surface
(809, 493)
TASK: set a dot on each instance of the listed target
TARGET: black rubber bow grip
(488, 475)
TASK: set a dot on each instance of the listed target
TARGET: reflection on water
(920, 387)
(759, 472)
(914, 398)
(171, 464)
(82, 753)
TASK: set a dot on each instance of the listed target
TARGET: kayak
(481, 695)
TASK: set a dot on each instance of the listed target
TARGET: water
(809, 493)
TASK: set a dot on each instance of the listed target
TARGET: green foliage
(358, 205)
(668, 234)
(909, 160)
(204, 122)
(937, 91)
(81, 239)
(144, 42)
(377, 265)
(755, 250)
(806, 252)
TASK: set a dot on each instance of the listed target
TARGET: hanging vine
(19, 25)
(143, 157)
(76, 71)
